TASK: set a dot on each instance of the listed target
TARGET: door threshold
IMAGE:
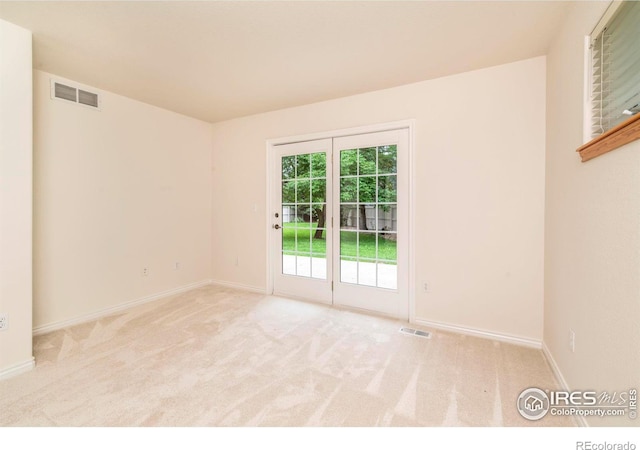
(346, 308)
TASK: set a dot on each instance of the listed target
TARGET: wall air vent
(65, 92)
(87, 98)
(69, 93)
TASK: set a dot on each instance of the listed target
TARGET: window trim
(623, 133)
(616, 137)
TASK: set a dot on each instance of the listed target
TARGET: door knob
(277, 227)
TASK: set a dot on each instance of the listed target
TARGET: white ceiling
(219, 60)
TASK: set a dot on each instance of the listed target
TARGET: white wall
(15, 197)
(479, 186)
(592, 251)
(116, 190)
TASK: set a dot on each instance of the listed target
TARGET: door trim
(388, 126)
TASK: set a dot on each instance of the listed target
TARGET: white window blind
(615, 76)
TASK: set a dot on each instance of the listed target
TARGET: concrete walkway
(355, 272)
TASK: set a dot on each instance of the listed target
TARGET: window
(614, 79)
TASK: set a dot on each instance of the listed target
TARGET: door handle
(277, 227)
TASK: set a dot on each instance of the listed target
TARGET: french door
(302, 236)
(340, 221)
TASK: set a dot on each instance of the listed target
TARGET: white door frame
(271, 143)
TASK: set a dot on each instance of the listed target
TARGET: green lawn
(348, 244)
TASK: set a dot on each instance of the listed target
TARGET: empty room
(320, 214)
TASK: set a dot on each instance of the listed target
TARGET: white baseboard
(242, 287)
(17, 369)
(554, 367)
(579, 420)
(517, 340)
(53, 326)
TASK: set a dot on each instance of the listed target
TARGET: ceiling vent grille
(68, 93)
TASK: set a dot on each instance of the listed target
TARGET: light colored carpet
(221, 357)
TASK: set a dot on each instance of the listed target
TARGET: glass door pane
(369, 216)
(304, 212)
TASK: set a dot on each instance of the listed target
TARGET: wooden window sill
(626, 132)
